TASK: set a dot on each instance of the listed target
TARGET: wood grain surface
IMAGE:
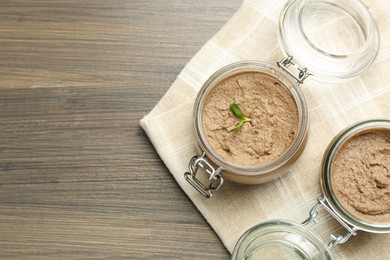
(79, 178)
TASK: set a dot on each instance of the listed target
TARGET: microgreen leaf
(238, 113)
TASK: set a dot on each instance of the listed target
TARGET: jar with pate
(251, 118)
(355, 182)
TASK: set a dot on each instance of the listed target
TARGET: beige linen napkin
(251, 34)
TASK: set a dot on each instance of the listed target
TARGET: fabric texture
(251, 34)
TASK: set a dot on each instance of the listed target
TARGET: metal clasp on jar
(214, 180)
(302, 72)
(335, 239)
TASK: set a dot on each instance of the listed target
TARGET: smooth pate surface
(268, 103)
(360, 175)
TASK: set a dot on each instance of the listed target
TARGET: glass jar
(308, 29)
(309, 51)
(260, 173)
(283, 239)
(326, 183)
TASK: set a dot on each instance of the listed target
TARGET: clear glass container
(260, 173)
(325, 178)
(283, 239)
(307, 29)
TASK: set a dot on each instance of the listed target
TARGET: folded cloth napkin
(251, 34)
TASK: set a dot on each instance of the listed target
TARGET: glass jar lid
(335, 40)
(281, 239)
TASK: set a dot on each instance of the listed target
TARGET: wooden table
(78, 176)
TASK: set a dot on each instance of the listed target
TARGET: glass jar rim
(279, 234)
(325, 177)
(239, 67)
(324, 65)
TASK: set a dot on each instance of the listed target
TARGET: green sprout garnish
(238, 113)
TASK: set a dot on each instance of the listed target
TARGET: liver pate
(272, 110)
(360, 175)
